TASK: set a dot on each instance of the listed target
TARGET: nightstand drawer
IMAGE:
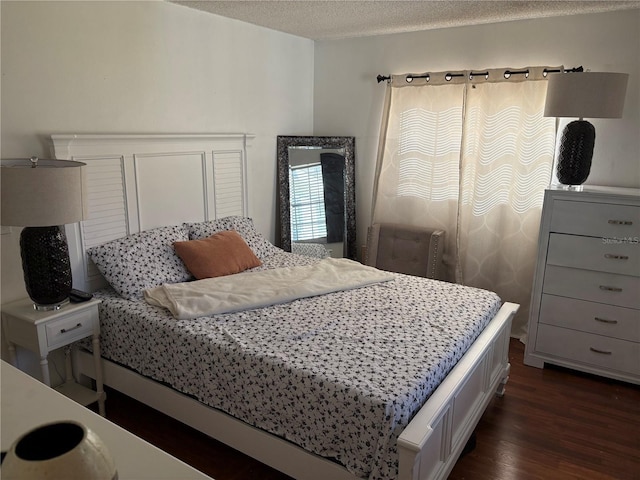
(601, 220)
(591, 317)
(590, 349)
(620, 290)
(592, 253)
(69, 329)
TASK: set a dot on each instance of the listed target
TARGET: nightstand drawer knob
(616, 257)
(603, 352)
(620, 222)
(610, 289)
(65, 330)
(604, 320)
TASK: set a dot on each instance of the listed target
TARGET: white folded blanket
(249, 290)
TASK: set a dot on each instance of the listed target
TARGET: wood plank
(556, 424)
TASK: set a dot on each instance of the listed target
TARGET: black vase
(46, 265)
(576, 151)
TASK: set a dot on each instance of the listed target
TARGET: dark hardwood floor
(551, 424)
(556, 424)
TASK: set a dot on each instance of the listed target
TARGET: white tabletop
(26, 403)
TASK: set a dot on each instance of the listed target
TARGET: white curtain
(472, 156)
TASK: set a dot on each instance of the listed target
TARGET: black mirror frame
(349, 145)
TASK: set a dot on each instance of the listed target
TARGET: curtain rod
(507, 74)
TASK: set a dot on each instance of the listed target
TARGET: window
(307, 202)
(472, 157)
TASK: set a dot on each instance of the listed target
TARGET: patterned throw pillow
(243, 225)
(142, 260)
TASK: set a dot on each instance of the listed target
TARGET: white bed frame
(432, 442)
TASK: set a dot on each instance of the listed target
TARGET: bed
(398, 402)
(310, 249)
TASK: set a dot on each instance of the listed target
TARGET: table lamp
(582, 94)
(42, 196)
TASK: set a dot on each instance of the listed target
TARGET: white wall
(148, 67)
(348, 101)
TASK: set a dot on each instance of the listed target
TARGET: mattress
(340, 375)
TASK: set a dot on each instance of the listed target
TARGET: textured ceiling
(324, 20)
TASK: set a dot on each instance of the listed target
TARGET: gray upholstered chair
(405, 249)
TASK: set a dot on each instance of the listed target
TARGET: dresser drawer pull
(610, 289)
(620, 222)
(604, 320)
(616, 257)
(603, 352)
(65, 330)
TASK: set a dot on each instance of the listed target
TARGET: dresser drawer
(593, 253)
(590, 349)
(603, 220)
(591, 317)
(620, 290)
(69, 329)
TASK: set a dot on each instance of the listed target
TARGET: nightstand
(45, 331)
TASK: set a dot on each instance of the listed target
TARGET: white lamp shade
(586, 95)
(53, 193)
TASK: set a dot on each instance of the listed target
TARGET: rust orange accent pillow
(221, 254)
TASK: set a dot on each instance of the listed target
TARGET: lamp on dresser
(582, 95)
(42, 196)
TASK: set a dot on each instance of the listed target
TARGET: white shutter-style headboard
(139, 182)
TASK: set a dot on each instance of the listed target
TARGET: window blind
(307, 203)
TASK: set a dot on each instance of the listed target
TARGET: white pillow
(142, 260)
(261, 247)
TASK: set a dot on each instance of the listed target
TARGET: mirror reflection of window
(326, 169)
(307, 203)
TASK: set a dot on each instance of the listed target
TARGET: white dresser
(585, 306)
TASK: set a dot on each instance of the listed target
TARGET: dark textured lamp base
(576, 151)
(46, 266)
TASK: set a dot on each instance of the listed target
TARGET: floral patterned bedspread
(341, 374)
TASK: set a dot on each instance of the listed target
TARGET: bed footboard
(264, 447)
(429, 447)
(432, 442)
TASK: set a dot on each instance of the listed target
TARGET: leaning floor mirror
(316, 182)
